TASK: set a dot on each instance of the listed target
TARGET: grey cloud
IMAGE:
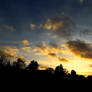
(62, 26)
(80, 48)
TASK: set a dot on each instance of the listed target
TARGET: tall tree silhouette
(73, 74)
(19, 64)
(1, 63)
(60, 71)
(1, 59)
(33, 66)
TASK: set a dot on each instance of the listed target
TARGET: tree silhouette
(73, 74)
(50, 70)
(19, 64)
(1, 59)
(19, 68)
(33, 66)
(60, 71)
(1, 63)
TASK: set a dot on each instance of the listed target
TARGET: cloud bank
(80, 48)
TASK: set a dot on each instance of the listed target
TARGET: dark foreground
(32, 72)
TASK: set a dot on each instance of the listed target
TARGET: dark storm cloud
(80, 48)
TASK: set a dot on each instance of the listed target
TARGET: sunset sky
(51, 32)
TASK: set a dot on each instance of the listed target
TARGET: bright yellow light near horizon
(80, 66)
(11, 54)
(77, 64)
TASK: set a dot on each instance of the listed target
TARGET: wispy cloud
(33, 26)
(26, 49)
(7, 28)
(63, 59)
(10, 50)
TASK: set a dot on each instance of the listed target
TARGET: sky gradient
(52, 32)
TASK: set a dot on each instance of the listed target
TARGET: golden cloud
(32, 26)
(51, 50)
(44, 49)
(90, 65)
(63, 59)
(26, 49)
(25, 42)
(12, 51)
(7, 27)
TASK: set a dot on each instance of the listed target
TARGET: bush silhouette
(50, 70)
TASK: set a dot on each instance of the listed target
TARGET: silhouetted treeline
(32, 71)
